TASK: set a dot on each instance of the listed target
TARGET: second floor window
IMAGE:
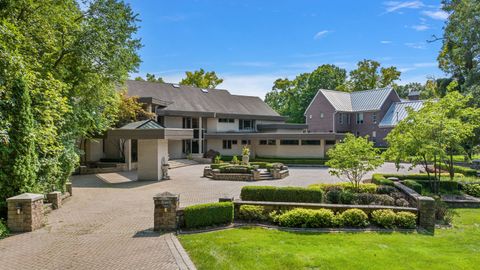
(374, 117)
(340, 118)
(359, 118)
(226, 120)
(244, 124)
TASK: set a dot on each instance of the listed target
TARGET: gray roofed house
(371, 112)
(184, 100)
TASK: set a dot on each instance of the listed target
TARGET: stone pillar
(69, 188)
(165, 213)
(426, 213)
(25, 212)
(55, 198)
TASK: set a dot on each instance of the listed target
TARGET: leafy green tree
(201, 79)
(292, 97)
(150, 78)
(369, 75)
(71, 59)
(353, 158)
(404, 90)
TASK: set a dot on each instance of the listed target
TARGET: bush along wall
(460, 169)
(281, 194)
(210, 214)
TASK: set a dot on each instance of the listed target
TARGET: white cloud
(321, 34)
(421, 27)
(416, 45)
(385, 41)
(436, 15)
(249, 84)
(392, 6)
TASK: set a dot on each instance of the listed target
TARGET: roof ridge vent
(204, 90)
(175, 85)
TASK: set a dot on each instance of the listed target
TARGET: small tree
(353, 158)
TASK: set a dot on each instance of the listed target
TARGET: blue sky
(252, 43)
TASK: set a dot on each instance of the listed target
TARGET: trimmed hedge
(406, 220)
(218, 165)
(448, 186)
(384, 218)
(472, 190)
(235, 169)
(209, 214)
(281, 194)
(414, 176)
(252, 213)
(380, 179)
(307, 218)
(362, 188)
(352, 218)
(414, 185)
(460, 169)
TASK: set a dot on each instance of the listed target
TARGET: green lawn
(256, 248)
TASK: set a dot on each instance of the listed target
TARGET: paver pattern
(108, 222)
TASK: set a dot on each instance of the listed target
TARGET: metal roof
(397, 112)
(192, 100)
(144, 124)
(368, 100)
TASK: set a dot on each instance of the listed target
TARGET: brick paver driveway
(107, 224)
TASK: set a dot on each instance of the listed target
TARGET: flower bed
(254, 171)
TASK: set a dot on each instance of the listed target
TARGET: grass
(257, 248)
(461, 158)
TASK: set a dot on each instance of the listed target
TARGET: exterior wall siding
(319, 105)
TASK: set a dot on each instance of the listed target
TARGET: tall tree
(404, 90)
(71, 59)
(201, 79)
(150, 78)
(292, 97)
(370, 75)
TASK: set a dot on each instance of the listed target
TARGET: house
(216, 119)
(370, 112)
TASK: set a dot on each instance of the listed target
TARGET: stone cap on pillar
(31, 197)
(165, 195)
(55, 192)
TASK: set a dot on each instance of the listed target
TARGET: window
(359, 118)
(349, 119)
(246, 142)
(310, 116)
(187, 122)
(227, 144)
(268, 142)
(374, 117)
(330, 142)
(288, 142)
(310, 142)
(244, 124)
(340, 118)
(321, 115)
(374, 134)
(226, 120)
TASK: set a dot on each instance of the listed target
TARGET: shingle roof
(185, 98)
(144, 124)
(368, 100)
(397, 112)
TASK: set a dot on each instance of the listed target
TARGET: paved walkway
(107, 224)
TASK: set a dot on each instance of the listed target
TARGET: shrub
(4, 232)
(203, 215)
(384, 218)
(413, 185)
(447, 185)
(333, 195)
(381, 180)
(218, 159)
(347, 197)
(362, 188)
(352, 218)
(406, 220)
(281, 194)
(218, 165)
(414, 176)
(402, 202)
(307, 218)
(252, 213)
(460, 169)
(472, 189)
(235, 160)
(384, 189)
(376, 199)
(443, 214)
(384, 199)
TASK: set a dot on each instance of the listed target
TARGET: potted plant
(245, 155)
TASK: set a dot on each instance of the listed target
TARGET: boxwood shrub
(460, 169)
(281, 194)
(406, 220)
(362, 188)
(384, 218)
(218, 165)
(209, 214)
(352, 218)
(307, 218)
(414, 185)
(252, 213)
(380, 179)
(472, 190)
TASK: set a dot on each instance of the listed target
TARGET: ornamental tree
(352, 158)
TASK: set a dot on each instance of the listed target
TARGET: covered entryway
(152, 145)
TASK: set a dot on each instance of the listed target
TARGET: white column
(127, 152)
(151, 155)
(200, 136)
